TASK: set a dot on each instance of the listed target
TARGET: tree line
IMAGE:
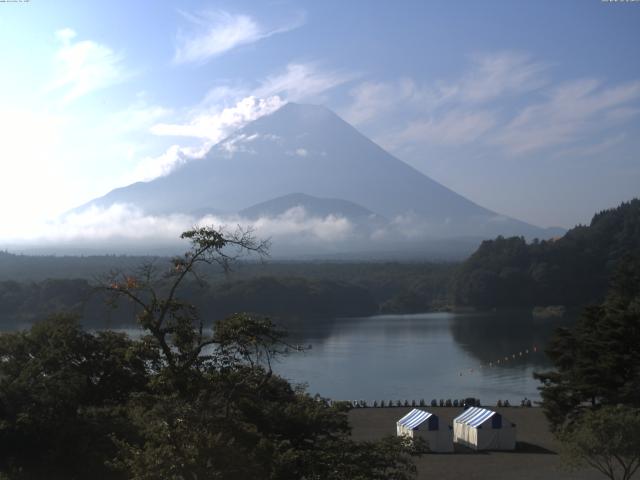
(326, 291)
(573, 270)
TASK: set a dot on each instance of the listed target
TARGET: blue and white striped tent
(483, 429)
(426, 425)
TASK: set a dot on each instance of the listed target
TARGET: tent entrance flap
(496, 421)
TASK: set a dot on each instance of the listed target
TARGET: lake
(421, 356)
(410, 357)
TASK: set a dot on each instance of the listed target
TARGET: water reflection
(491, 336)
(426, 356)
(410, 357)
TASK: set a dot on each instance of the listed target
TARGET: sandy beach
(536, 455)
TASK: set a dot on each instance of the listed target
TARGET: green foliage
(281, 290)
(60, 393)
(388, 459)
(607, 439)
(598, 361)
(573, 270)
(287, 295)
(177, 403)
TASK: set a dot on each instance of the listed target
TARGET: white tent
(420, 424)
(483, 429)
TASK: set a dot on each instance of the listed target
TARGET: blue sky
(531, 109)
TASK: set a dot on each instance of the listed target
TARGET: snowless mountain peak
(310, 150)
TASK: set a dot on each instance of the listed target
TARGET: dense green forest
(505, 272)
(572, 270)
(278, 289)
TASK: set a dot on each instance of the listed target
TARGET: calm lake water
(410, 357)
(433, 355)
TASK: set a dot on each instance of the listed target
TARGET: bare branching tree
(172, 322)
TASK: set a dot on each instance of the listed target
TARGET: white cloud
(122, 224)
(84, 66)
(456, 127)
(211, 121)
(373, 99)
(213, 125)
(409, 225)
(441, 112)
(66, 34)
(296, 223)
(489, 77)
(238, 143)
(152, 167)
(596, 148)
(301, 81)
(483, 106)
(570, 112)
(497, 75)
(223, 94)
(296, 82)
(117, 221)
(216, 32)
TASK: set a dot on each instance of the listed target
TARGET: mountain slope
(309, 149)
(318, 207)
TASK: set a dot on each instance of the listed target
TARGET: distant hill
(572, 270)
(335, 170)
(319, 207)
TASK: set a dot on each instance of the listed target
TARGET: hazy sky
(529, 108)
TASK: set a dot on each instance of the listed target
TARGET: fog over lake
(409, 357)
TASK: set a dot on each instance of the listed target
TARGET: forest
(573, 270)
(503, 273)
(278, 289)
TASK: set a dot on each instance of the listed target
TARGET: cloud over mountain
(354, 194)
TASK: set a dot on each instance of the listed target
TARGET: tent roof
(474, 416)
(414, 418)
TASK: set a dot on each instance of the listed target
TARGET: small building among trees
(483, 429)
(425, 425)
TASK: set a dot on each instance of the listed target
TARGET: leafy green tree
(573, 270)
(181, 402)
(592, 398)
(61, 393)
(173, 323)
(217, 408)
(607, 439)
(598, 361)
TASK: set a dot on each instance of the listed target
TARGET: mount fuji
(304, 162)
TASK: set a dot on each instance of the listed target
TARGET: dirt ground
(536, 455)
